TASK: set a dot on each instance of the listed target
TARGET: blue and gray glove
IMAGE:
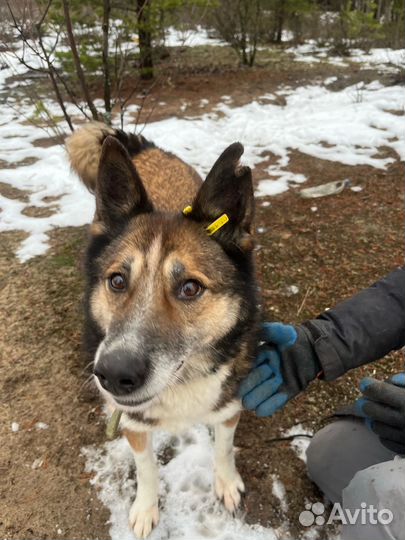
(383, 407)
(286, 363)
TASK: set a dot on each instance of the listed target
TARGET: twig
(47, 67)
(275, 440)
(304, 300)
(76, 59)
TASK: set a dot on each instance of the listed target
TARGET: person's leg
(380, 491)
(338, 451)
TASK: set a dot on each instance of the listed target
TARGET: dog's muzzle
(120, 372)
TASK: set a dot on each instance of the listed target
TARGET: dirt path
(349, 240)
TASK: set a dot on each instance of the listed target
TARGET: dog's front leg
(144, 513)
(228, 482)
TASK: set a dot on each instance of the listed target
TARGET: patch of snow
(48, 176)
(315, 121)
(189, 508)
(191, 38)
(287, 35)
(329, 80)
(278, 491)
(347, 126)
(301, 441)
(41, 425)
(388, 60)
(292, 289)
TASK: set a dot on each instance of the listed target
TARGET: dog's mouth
(130, 402)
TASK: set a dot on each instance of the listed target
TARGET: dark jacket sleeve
(363, 328)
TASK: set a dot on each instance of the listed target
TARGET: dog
(171, 308)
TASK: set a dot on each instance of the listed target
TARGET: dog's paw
(229, 490)
(142, 520)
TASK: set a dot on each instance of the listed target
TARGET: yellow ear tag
(111, 429)
(217, 224)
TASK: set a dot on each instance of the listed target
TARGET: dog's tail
(84, 149)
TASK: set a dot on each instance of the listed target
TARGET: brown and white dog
(171, 306)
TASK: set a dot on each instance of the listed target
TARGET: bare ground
(351, 240)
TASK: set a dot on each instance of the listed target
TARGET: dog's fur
(194, 351)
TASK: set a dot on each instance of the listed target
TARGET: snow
(346, 126)
(301, 441)
(191, 38)
(41, 425)
(292, 289)
(190, 509)
(337, 126)
(278, 490)
(48, 176)
(387, 60)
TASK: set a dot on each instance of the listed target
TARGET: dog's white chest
(186, 405)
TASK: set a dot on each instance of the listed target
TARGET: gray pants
(350, 465)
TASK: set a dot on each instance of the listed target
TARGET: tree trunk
(145, 39)
(279, 23)
(106, 64)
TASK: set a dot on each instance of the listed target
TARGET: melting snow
(388, 60)
(347, 126)
(278, 491)
(191, 38)
(301, 440)
(190, 509)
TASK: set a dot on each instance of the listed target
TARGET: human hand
(286, 363)
(383, 407)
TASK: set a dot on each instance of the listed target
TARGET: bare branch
(76, 59)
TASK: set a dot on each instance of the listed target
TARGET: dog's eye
(117, 282)
(190, 289)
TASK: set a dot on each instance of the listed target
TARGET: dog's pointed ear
(120, 193)
(228, 189)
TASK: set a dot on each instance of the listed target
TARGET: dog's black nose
(120, 372)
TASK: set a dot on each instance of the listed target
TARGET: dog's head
(171, 301)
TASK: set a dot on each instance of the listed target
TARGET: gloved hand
(383, 407)
(285, 365)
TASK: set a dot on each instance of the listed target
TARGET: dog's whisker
(87, 383)
(86, 368)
